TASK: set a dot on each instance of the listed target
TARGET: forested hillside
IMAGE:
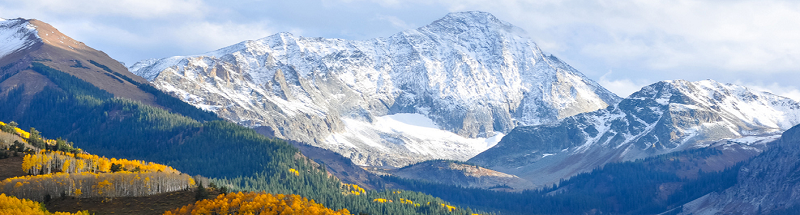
(648, 186)
(100, 123)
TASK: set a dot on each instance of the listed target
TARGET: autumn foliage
(13, 206)
(256, 203)
(56, 173)
(86, 185)
(46, 162)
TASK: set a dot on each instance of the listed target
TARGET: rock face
(468, 77)
(664, 117)
(462, 174)
(767, 183)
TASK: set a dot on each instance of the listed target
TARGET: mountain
(448, 90)
(42, 90)
(26, 41)
(664, 117)
(461, 174)
(766, 184)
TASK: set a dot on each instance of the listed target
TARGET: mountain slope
(26, 41)
(767, 183)
(467, 78)
(664, 117)
(461, 174)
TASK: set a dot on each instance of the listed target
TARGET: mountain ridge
(37, 41)
(474, 82)
(663, 117)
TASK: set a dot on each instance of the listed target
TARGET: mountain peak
(459, 22)
(476, 16)
(23, 41)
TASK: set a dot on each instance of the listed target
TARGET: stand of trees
(256, 203)
(87, 185)
(333, 194)
(12, 205)
(46, 162)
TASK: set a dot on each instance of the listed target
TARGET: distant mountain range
(447, 90)
(664, 117)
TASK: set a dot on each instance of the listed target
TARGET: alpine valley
(465, 115)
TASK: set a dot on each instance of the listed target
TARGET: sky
(623, 45)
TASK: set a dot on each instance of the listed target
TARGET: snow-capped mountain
(447, 90)
(663, 117)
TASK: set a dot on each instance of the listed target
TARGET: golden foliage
(292, 170)
(22, 133)
(45, 162)
(87, 184)
(450, 208)
(256, 203)
(353, 189)
(13, 206)
(381, 200)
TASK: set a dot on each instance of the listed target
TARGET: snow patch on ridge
(15, 35)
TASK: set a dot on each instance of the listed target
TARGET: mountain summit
(447, 90)
(25, 41)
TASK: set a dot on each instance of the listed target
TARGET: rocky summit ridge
(664, 117)
(447, 90)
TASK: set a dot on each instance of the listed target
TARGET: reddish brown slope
(56, 50)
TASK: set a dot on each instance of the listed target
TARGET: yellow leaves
(103, 186)
(65, 166)
(256, 203)
(45, 162)
(353, 189)
(379, 200)
(79, 165)
(292, 170)
(22, 133)
(450, 208)
(94, 184)
(12, 205)
(406, 201)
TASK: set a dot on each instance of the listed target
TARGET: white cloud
(622, 87)
(396, 22)
(774, 88)
(210, 36)
(141, 9)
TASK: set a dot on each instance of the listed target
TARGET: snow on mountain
(469, 73)
(15, 35)
(663, 117)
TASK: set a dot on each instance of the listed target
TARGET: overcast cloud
(623, 45)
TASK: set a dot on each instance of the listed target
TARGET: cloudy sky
(623, 45)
